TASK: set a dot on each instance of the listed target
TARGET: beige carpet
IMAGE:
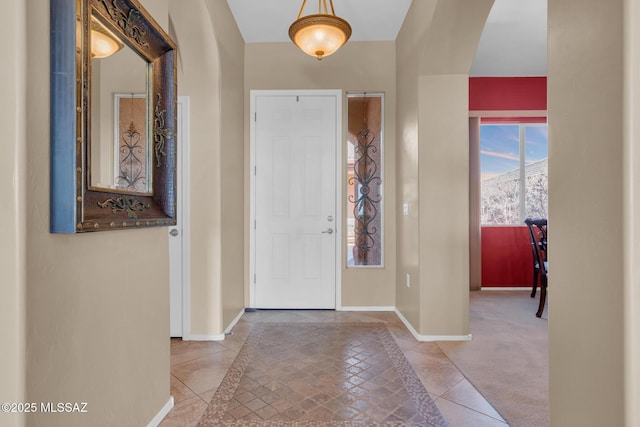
(507, 359)
(321, 374)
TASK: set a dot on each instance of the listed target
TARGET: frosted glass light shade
(320, 35)
(103, 42)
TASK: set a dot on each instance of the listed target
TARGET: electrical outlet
(408, 280)
(405, 209)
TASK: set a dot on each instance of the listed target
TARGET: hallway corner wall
(210, 72)
(443, 156)
(586, 211)
(435, 49)
(93, 334)
(231, 55)
(13, 26)
(632, 215)
(408, 42)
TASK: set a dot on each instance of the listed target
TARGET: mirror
(120, 149)
(113, 117)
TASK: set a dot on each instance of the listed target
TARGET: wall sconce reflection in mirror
(113, 117)
(103, 42)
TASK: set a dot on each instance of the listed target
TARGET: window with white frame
(513, 164)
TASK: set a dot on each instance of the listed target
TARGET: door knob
(328, 231)
(174, 232)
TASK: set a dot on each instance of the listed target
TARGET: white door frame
(182, 208)
(339, 171)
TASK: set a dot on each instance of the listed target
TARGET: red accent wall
(507, 93)
(506, 257)
(501, 120)
(506, 251)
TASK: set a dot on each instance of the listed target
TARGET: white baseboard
(417, 336)
(233, 322)
(365, 308)
(426, 338)
(163, 413)
(498, 288)
(445, 337)
(219, 337)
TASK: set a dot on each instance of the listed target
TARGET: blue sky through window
(537, 143)
(500, 147)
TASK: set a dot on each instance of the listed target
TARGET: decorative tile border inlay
(321, 374)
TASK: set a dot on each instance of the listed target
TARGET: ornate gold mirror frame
(77, 205)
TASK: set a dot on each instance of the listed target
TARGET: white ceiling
(514, 40)
(269, 20)
(513, 43)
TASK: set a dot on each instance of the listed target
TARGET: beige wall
(198, 76)
(211, 55)
(586, 212)
(13, 188)
(97, 303)
(436, 46)
(231, 52)
(632, 214)
(443, 156)
(409, 44)
(357, 67)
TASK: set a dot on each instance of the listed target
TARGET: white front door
(178, 260)
(295, 139)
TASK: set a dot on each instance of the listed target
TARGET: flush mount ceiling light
(103, 42)
(321, 34)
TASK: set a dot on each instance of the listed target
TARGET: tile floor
(198, 368)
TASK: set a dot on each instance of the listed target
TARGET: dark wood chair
(538, 235)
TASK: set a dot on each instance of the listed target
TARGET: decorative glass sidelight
(364, 180)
